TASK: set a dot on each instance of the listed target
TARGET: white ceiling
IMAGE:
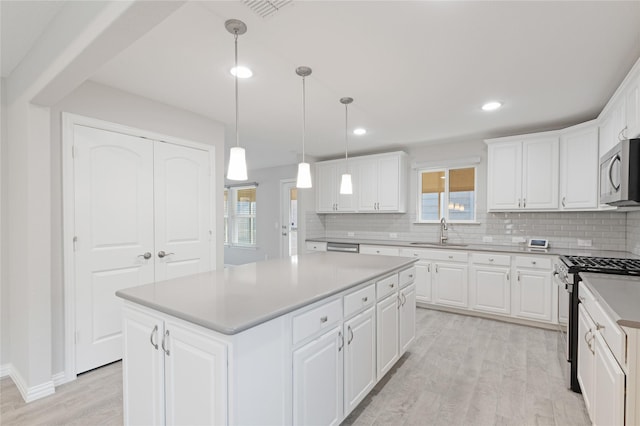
(418, 71)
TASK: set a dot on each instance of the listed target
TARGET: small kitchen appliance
(620, 174)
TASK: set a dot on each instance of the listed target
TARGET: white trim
(70, 120)
(58, 379)
(284, 182)
(442, 164)
(5, 370)
(34, 392)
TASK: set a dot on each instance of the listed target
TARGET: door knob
(146, 256)
(162, 254)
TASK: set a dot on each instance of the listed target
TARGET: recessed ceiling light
(359, 131)
(491, 106)
(243, 72)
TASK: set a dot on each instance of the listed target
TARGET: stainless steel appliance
(344, 247)
(569, 273)
(620, 174)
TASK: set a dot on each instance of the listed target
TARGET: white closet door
(182, 211)
(114, 228)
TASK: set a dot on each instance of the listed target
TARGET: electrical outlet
(518, 240)
(584, 243)
(393, 235)
(351, 234)
(487, 239)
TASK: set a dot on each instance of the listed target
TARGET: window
(240, 216)
(448, 193)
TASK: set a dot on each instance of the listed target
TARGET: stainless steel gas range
(568, 272)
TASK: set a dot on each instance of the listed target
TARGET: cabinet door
(423, 282)
(359, 358)
(142, 369)
(490, 289)
(586, 357)
(540, 173)
(317, 380)
(609, 387)
(367, 185)
(579, 169)
(632, 109)
(504, 176)
(389, 184)
(387, 334)
(326, 187)
(195, 376)
(407, 317)
(533, 295)
(451, 284)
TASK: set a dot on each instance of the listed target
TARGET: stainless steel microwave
(620, 174)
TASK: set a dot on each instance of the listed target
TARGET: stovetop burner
(607, 265)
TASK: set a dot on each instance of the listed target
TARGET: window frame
(232, 216)
(446, 171)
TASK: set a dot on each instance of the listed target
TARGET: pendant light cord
(304, 116)
(235, 36)
(346, 136)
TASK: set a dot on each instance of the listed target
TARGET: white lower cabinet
(407, 317)
(450, 282)
(586, 357)
(317, 380)
(387, 333)
(423, 281)
(533, 297)
(173, 373)
(609, 389)
(490, 283)
(359, 358)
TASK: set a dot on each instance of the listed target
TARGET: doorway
(289, 218)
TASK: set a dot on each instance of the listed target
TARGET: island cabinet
(186, 361)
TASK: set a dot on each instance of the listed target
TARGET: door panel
(182, 210)
(114, 226)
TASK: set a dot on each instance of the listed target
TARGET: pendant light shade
(346, 186)
(237, 162)
(304, 169)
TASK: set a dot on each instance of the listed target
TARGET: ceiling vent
(266, 8)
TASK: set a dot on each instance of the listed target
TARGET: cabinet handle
(621, 135)
(518, 202)
(491, 259)
(533, 262)
(508, 278)
(341, 337)
(518, 276)
(146, 256)
(436, 268)
(350, 335)
(392, 285)
(323, 319)
(564, 201)
(162, 254)
(524, 203)
(365, 299)
(399, 300)
(164, 343)
(429, 268)
(404, 298)
(410, 275)
(599, 326)
(154, 332)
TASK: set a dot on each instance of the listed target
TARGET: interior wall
(268, 216)
(109, 104)
(4, 283)
(633, 232)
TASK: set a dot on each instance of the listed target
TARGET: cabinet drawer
(407, 276)
(421, 253)
(315, 320)
(491, 259)
(387, 286)
(533, 262)
(381, 250)
(316, 246)
(613, 335)
(451, 256)
(359, 300)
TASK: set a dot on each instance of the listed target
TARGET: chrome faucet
(443, 231)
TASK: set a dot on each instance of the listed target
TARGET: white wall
(268, 216)
(108, 104)
(4, 284)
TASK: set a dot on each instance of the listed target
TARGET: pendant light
(237, 162)
(304, 170)
(346, 186)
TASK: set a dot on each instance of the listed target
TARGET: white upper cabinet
(523, 172)
(632, 109)
(379, 184)
(579, 165)
(328, 197)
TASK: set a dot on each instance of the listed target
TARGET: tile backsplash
(605, 230)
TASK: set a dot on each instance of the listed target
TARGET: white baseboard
(59, 379)
(34, 392)
(5, 370)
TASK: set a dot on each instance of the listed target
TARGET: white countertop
(516, 249)
(240, 297)
(619, 295)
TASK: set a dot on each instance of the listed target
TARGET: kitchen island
(300, 340)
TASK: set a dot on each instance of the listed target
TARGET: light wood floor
(460, 370)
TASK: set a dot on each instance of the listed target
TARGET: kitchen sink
(417, 243)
